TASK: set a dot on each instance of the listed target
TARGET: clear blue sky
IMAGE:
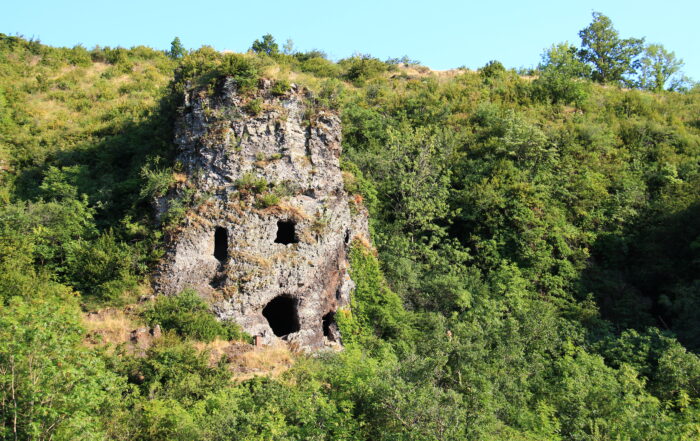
(441, 34)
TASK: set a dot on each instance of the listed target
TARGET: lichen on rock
(268, 244)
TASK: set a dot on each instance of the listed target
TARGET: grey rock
(231, 248)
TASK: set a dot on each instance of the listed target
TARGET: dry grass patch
(110, 325)
(247, 361)
(270, 361)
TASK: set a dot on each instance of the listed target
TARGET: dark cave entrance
(286, 233)
(221, 244)
(281, 313)
(330, 328)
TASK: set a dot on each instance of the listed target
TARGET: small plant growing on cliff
(267, 200)
(250, 183)
(280, 88)
(254, 107)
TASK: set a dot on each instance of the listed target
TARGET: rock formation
(268, 239)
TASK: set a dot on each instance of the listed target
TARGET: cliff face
(268, 244)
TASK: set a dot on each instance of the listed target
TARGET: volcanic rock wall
(268, 241)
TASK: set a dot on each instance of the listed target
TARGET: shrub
(254, 107)
(361, 68)
(267, 200)
(320, 67)
(101, 268)
(242, 69)
(492, 69)
(281, 87)
(250, 183)
(188, 315)
(561, 76)
(157, 181)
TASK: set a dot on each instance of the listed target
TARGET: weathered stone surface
(242, 268)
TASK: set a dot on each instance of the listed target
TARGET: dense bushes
(51, 385)
(188, 315)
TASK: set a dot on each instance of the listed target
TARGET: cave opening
(330, 328)
(286, 233)
(282, 315)
(221, 244)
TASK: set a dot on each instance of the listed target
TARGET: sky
(440, 34)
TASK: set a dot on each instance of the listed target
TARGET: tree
(288, 47)
(561, 74)
(611, 57)
(51, 385)
(657, 66)
(267, 45)
(177, 50)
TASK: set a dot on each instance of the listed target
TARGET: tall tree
(657, 66)
(177, 50)
(610, 56)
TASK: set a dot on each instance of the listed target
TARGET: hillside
(533, 271)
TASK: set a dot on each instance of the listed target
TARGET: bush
(101, 268)
(188, 315)
(267, 200)
(320, 67)
(254, 107)
(242, 69)
(157, 181)
(361, 68)
(492, 69)
(250, 183)
(281, 87)
(561, 78)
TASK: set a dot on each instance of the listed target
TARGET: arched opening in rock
(330, 329)
(286, 233)
(282, 315)
(221, 244)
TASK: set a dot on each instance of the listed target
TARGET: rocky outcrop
(268, 240)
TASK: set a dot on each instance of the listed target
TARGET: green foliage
(361, 68)
(377, 310)
(280, 88)
(205, 66)
(266, 46)
(657, 67)
(251, 183)
(243, 71)
(527, 253)
(51, 386)
(266, 200)
(177, 50)
(254, 107)
(492, 69)
(102, 268)
(157, 181)
(188, 315)
(611, 57)
(561, 76)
